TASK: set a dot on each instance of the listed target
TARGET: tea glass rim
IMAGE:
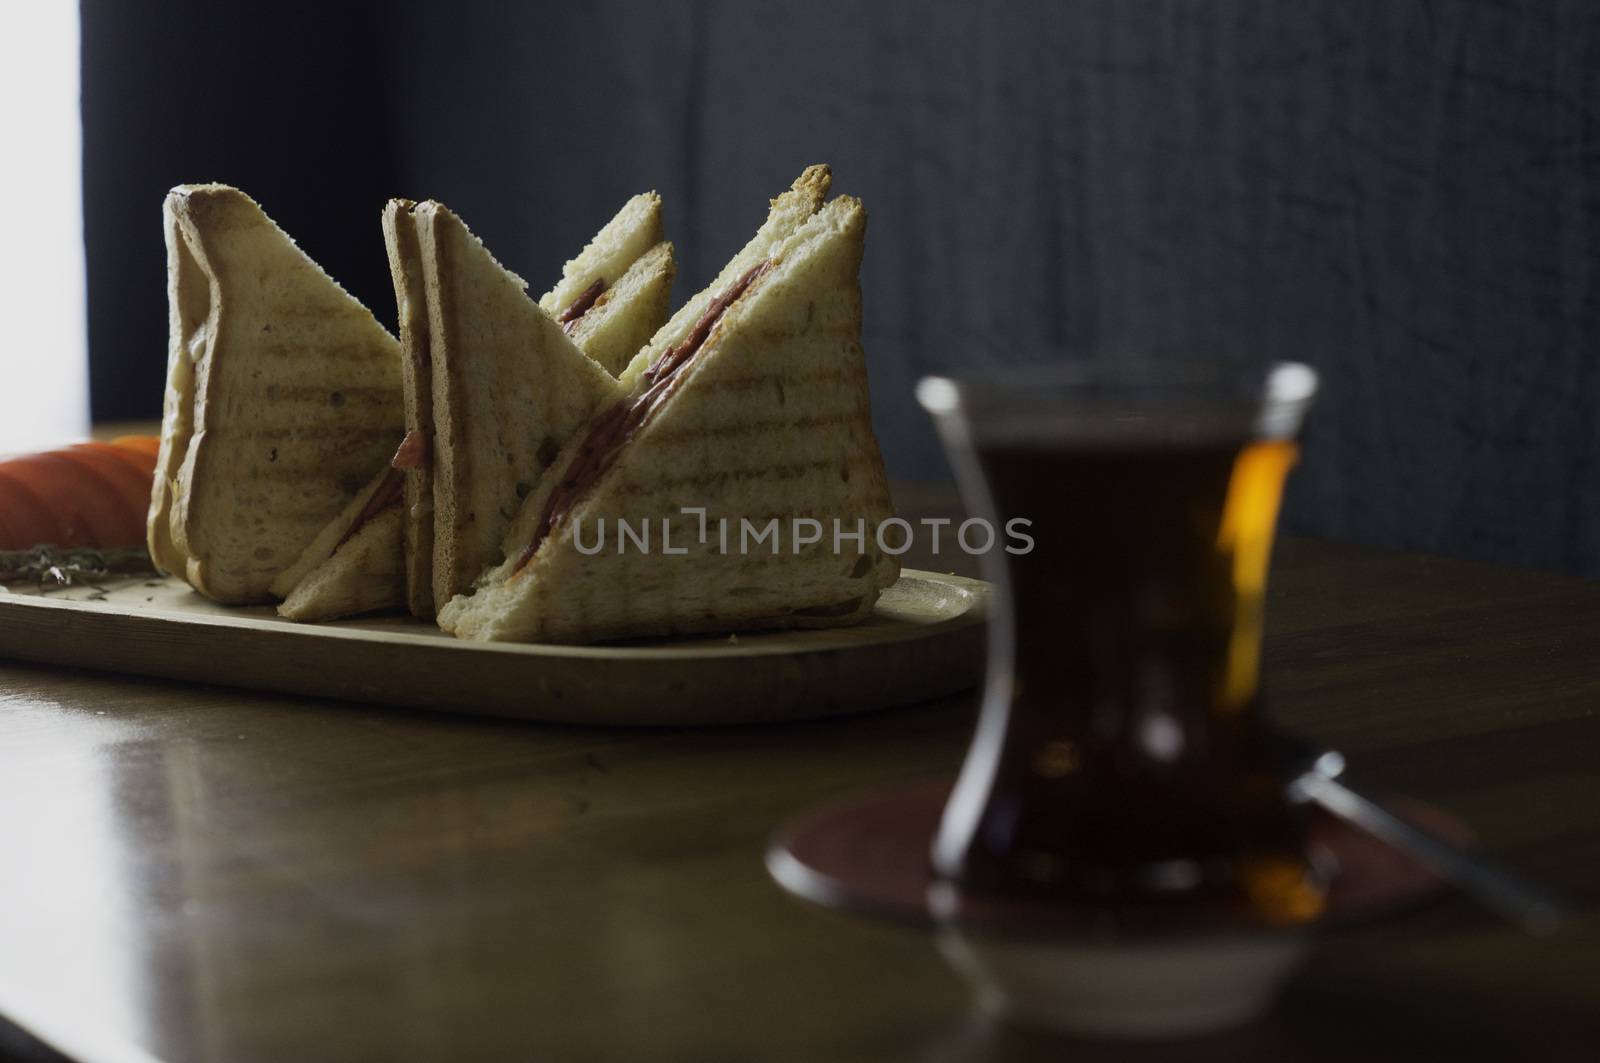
(1126, 399)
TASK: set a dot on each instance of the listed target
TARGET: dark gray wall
(1403, 194)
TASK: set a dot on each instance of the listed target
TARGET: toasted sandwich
(283, 393)
(748, 411)
(494, 386)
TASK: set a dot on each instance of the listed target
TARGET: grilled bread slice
(355, 563)
(758, 412)
(509, 388)
(283, 393)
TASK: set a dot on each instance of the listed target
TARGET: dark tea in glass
(1119, 762)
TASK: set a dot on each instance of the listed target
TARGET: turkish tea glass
(1119, 761)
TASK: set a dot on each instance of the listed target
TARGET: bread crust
(416, 374)
(190, 307)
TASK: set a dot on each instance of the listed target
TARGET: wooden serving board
(924, 640)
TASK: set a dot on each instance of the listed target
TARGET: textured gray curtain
(1401, 193)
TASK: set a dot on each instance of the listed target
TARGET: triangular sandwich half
(283, 394)
(504, 379)
(509, 389)
(758, 414)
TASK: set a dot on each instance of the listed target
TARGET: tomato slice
(84, 504)
(27, 521)
(125, 481)
(150, 445)
(93, 494)
(130, 473)
(142, 460)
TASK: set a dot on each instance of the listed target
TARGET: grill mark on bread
(785, 333)
(760, 473)
(318, 395)
(684, 436)
(329, 442)
(243, 500)
(791, 380)
(352, 352)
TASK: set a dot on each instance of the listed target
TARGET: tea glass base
(1145, 991)
(868, 855)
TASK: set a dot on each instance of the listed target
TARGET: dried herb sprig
(66, 567)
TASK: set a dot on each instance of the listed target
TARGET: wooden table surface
(193, 873)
